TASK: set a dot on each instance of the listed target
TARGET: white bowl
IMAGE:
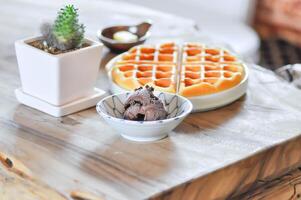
(111, 109)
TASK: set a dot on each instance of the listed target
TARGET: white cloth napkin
(291, 73)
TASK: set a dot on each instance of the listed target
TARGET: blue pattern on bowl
(175, 105)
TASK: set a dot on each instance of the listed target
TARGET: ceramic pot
(58, 79)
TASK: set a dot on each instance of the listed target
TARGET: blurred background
(263, 31)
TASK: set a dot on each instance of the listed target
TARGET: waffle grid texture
(192, 69)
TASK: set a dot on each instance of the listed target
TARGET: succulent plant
(66, 33)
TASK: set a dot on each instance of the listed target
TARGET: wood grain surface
(17, 183)
(287, 186)
(219, 154)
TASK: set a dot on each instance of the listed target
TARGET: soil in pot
(40, 44)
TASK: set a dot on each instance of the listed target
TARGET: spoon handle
(145, 25)
(142, 28)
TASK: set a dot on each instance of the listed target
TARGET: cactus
(66, 33)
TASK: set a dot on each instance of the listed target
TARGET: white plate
(200, 103)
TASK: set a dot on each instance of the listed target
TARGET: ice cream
(143, 105)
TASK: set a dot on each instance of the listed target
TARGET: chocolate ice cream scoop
(143, 105)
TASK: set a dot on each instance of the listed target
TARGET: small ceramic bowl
(106, 36)
(111, 109)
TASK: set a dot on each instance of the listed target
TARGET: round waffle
(193, 70)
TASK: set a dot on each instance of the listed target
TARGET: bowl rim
(183, 115)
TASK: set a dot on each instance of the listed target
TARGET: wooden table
(247, 150)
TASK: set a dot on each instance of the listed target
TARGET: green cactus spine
(66, 33)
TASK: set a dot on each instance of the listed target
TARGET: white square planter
(58, 79)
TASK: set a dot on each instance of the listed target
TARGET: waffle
(200, 53)
(206, 70)
(151, 65)
(164, 53)
(190, 70)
